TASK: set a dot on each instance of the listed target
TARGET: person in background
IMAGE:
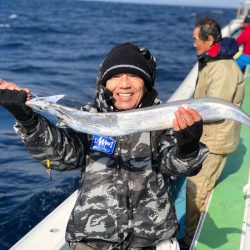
(244, 39)
(218, 76)
(124, 198)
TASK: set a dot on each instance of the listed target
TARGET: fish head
(43, 103)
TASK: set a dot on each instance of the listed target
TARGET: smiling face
(202, 46)
(127, 89)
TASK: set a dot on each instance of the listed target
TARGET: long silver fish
(145, 119)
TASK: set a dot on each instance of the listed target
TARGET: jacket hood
(224, 49)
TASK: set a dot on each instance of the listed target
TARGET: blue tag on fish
(103, 144)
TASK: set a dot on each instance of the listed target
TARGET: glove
(14, 102)
(188, 139)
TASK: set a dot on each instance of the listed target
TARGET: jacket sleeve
(63, 147)
(169, 161)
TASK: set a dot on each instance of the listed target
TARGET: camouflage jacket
(123, 197)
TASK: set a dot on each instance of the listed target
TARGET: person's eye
(133, 76)
(115, 76)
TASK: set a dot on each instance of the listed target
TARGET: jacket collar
(225, 49)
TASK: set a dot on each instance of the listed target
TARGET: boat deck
(226, 224)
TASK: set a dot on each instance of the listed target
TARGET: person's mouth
(124, 94)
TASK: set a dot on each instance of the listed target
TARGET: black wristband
(187, 150)
(31, 124)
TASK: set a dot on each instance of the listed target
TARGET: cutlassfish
(122, 123)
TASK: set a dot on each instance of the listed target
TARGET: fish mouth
(41, 103)
(34, 105)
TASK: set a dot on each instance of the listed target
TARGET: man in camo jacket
(124, 199)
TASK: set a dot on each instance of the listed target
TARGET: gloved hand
(188, 139)
(14, 102)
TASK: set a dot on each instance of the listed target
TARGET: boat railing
(242, 11)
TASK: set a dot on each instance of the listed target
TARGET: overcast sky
(208, 3)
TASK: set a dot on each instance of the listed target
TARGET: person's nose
(124, 81)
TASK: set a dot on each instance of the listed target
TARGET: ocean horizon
(184, 3)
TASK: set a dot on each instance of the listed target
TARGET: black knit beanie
(128, 58)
